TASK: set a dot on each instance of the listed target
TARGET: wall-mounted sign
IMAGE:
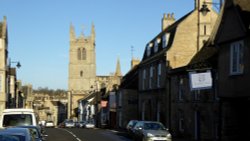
(200, 80)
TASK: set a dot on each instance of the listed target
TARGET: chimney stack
(167, 20)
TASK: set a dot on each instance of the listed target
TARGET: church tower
(82, 66)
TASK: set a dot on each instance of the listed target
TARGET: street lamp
(204, 9)
(11, 86)
(18, 64)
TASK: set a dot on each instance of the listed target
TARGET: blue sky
(39, 33)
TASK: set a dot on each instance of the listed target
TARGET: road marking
(72, 134)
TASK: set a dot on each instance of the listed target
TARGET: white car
(18, 117)
(49, 124)
(90, 125)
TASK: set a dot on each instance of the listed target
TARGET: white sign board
(201, 80)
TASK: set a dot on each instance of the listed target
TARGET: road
(81, 134)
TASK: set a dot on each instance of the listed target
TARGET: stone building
(3, 64)
(232, 40)
(127, 98)
(172, 48)
(221, 112)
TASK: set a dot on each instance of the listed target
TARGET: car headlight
(150, 135)
(169, 136)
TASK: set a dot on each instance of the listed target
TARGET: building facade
(172, 48)
(233, 43)
(3, 64)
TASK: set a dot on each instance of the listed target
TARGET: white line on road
(72, 134)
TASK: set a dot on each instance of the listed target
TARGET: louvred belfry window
(83, 54)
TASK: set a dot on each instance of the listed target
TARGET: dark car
(36, 132)
(16, 134)
(130, 127)
(151, 130)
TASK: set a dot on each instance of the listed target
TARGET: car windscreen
(153, 126)
(17, 120)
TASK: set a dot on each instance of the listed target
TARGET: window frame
(236, 57)
(144, 77)
(165, 40)
(84, 54)
(149, 45)
(159, 75)
(79, 54)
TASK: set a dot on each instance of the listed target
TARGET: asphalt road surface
(81, 134)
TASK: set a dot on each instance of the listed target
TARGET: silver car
(150, 131)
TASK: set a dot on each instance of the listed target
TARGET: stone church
(82, 77)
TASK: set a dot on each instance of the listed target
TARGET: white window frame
(159, 76)
(165, 39)
(151, 74)
(236, 58)
(149, 45)
(156, 44)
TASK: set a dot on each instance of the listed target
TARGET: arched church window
(79, 54)
(83, 54)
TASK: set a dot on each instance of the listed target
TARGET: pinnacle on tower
(118, 68)
(82, 33)
(93, 31)
(72, 32)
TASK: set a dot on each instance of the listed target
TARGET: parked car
(69, 123)
(16, 134)
(82, 124)
(130, 127)
(18, 117)
(90, 125)
(49, 124)
(151, 130)
(36, 131)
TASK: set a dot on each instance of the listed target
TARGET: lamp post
(11, 95)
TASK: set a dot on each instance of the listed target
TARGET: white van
(18, 117)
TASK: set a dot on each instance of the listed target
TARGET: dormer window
(156, 44)
(149, 49)
(165, 40)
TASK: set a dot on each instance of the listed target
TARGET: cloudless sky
(38, 32)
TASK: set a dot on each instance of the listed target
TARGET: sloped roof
(244, 4)
(204, 54)
(234, 21)
(130, 80)
(172, 30)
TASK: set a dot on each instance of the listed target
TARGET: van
(18, 117)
